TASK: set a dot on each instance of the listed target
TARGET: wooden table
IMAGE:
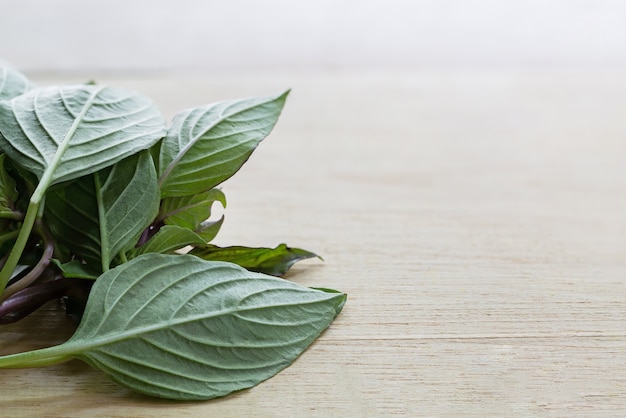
(477, 221)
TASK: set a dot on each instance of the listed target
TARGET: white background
(247, 35)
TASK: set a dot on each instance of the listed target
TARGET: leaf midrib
(48, 174)
(82, 345)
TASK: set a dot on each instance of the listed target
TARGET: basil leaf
(208, 230)
(75, 270)
(275, 261)
(12, 82)
(8, 191)
(206, 145)
(191, 212)
(62, 133)
(98, 216)
(169, 239)
(179, 327)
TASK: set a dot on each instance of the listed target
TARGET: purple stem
(28, 300)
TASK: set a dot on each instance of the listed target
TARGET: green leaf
(75, 270)
(100, 215)
(25, 184)
(12, 82)
(208, 230)
(8, 198)
(275, 261)
(179, 327)
(192, 212)
(62, 133)
(169, 239)
(189, 211)
(8, 191)
(206, 145)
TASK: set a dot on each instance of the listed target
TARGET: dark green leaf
(274, 261)
(179, 327)
(206, 145)
(75, 270)
(8, 191)
(208, 230)
(169, 239)
(9, 215)
(192, 212)
(100, 215)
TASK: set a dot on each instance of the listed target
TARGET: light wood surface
(477, 221)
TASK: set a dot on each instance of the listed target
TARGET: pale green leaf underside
(12, 82)
(206, 145)
(178, 327)
(72, 131)
(100, 215)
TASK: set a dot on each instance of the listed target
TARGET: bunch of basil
(99, 196)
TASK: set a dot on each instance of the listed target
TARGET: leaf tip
(284, 94)
(340, 298)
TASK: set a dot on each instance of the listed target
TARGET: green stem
(38, 195)
(23, 235)
(36, 358)
(8, 236)
(10, 214)
(39, 268)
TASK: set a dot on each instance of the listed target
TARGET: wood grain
(477, 221)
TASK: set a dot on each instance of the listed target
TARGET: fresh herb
(98, 201)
